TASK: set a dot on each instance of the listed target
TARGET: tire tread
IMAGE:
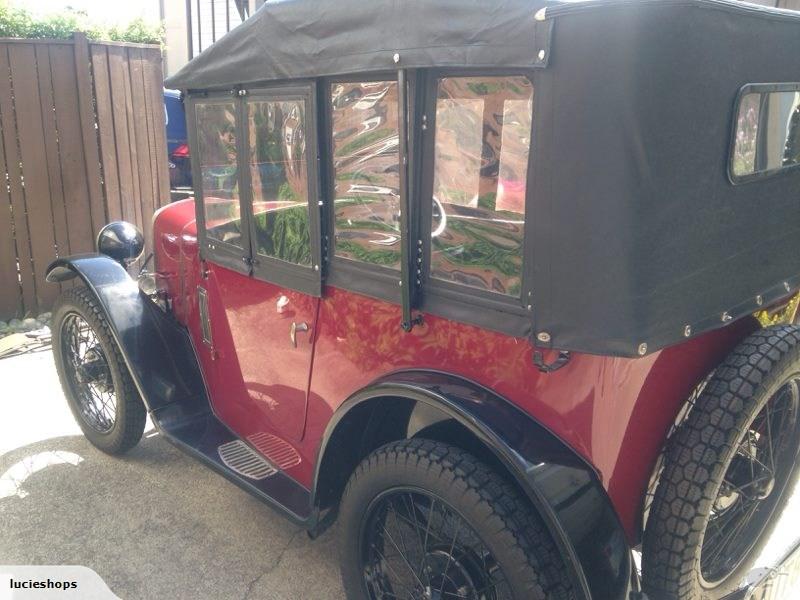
(506, 514)
(133, 411)
(697, 458)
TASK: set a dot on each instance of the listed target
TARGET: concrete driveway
(153, 524)
(156, 523)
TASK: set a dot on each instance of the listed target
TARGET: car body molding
(156, 349)
(563, 488)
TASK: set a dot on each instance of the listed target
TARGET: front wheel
(423, 520)
(93, 375)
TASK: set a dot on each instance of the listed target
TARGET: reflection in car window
(279, 179)
(767, 133)
(366, 172)
(482, 142)
(216, 133)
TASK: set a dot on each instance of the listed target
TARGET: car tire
(448, 486)
(78, 310)
(706, 470)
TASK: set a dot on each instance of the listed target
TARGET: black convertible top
(289, 39)
(292, 39)
(640, 236)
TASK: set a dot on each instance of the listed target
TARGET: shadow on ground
(154, 524)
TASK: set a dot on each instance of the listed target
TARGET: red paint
(613, 411)
(257, 381)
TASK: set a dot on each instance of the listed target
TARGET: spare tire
(728, 471)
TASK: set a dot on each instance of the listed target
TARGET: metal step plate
(279, 452)
(241, 458)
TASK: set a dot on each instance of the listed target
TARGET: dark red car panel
(257, 379)
(615, 412)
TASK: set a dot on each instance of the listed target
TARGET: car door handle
(294, 329)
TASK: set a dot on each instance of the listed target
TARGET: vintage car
(506, 287)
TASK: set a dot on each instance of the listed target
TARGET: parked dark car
(508, 288)
(180, 163)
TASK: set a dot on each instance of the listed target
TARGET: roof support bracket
(407, 284)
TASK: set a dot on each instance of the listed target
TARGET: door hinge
(250, 261)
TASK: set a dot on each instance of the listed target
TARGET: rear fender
(561, 486)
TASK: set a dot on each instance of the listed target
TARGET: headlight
(148, 285)
(121, 241)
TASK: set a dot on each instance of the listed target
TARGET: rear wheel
(728, 472)
(95, 379)
(424, 520)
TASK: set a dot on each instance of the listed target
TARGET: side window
(767, 131)
(216, 140)
(481, 147)
(364, 122)
(278, 165)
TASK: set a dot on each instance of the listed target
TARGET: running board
(205, 438)
(242, 459)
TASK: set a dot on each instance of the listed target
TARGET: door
(263, 345)
(262, 302)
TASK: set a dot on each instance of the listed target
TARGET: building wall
(176, 52)
(216, 18)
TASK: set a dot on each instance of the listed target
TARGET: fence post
(91, 151)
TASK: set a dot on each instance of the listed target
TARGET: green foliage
(19, 23)
(483, 248)
(284, 234)
(138, 31)
(358, 176)
(285, 192)
(375, 257)
(366, 139)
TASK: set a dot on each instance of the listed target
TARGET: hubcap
(753, 484)
(417, 547)
(87, 371)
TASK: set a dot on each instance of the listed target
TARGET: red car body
(614, 412)
(501, 235)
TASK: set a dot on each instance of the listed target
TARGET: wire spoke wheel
(88, 373)
(756, 477)
(97, 384)
(416, 547)
(729, 469)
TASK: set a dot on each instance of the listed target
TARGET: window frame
(227, 255)
(490, 310)
(486, 309)
(759, 88)
(302, 278)
(377, 281)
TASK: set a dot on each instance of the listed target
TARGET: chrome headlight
(121, 241)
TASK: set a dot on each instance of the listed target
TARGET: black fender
(162, 361)
(564, 489)
(156, 349)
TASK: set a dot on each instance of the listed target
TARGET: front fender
(156, 349)
(563, 488)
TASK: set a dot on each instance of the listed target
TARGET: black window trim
(751, 88)
(302, 278)
(376, 281)
(227, 255)
(486, 309)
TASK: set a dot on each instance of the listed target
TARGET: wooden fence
(82, 143)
